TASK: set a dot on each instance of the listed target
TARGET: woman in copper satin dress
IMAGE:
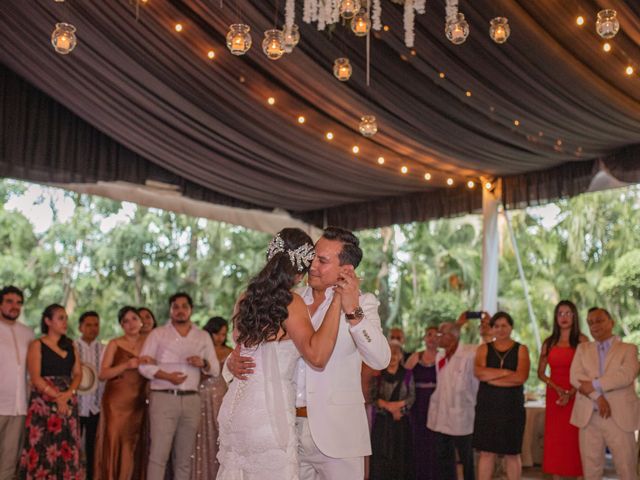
(121, 443)
(204, 465)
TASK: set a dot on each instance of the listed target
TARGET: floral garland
(452, 10)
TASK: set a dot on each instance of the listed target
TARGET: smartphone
(471, 314)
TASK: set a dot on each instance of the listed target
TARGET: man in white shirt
(90, 351)
(331, 423)
(14, 342)
(452, 405)
(181, 351)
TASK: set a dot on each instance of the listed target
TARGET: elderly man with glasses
(452, 405)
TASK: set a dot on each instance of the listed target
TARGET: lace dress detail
(257, 418)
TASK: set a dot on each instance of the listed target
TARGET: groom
(333, 433)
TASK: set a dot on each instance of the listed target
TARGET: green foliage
(109, 254)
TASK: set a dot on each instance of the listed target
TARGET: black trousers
(446, 446)
(89, 428)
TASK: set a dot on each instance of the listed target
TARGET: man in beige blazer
(607, 409)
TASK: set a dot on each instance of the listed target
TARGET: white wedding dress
(257, 418)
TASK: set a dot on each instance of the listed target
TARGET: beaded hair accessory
(300, 258)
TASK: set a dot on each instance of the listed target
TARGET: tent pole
(525, 287)
(490, 250)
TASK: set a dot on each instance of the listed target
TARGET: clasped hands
(394, 408)
(347, 288)
(586, 388)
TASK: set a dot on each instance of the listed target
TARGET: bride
(272, 325)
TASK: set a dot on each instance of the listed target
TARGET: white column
(490, 244)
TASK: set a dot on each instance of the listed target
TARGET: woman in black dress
(52, 437)
(502, 367)
(393, 394)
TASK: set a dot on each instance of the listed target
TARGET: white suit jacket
(618, 383)
(335, 402)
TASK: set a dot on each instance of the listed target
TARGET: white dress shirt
(14, 343)
(452, 405)
(171, 350)
(91, 354)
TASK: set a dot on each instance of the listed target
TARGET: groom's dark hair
(351, 253)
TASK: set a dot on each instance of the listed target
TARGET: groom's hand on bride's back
(239, 366)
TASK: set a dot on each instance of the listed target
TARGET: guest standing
(423, 366)
(182, 351)
(452, 408)
(122, 435)
(204, 462)
(52, 443)
(14, 343)
(90, 351)
(394, 394)
(148, 320)
(607, 408)
(502, 366)
(561, 446)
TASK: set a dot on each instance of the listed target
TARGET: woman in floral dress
(52, 438)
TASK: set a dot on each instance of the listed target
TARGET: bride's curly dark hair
(263, 308)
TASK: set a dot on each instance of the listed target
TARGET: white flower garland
(409, 23)
(420, 6)
(451, 9)
(289, 14)
(376, 13)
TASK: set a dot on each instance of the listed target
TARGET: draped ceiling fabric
(137, 102)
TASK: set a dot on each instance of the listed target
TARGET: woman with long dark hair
(52, 439)
(561, 446)
(148, 320)
(204, 463)
(121, 443)
(272, 325)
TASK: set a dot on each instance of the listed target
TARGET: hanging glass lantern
(368, 126)
(499, 29)
(360, 24)
(342, 69)
(291, 38)
(273, 44)
(238, 39)
(64, 38)
(457, 29)
(348, 8)
(607, 24)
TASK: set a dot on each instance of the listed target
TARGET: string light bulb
(211, 54)
(301, 119)
(449, 181)
(606, 46)
(629, 70)
(488, 185)
(271, 101)
(427, 176)
(471, 184)
(404, 169)
(380, 160)
(580, 20)
(178, 27)
(516, 123)
(329, 135)
(355, 149)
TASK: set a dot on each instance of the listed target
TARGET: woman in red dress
(561, 448)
